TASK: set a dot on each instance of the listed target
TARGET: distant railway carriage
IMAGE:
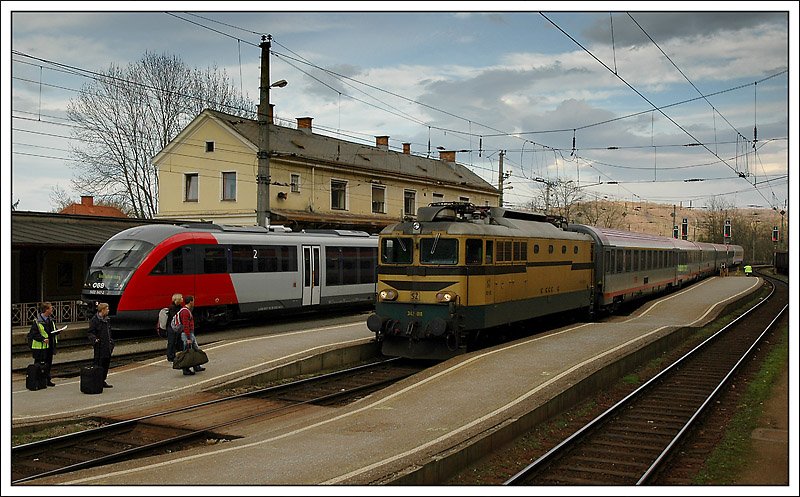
(460, 270)
(231, 271)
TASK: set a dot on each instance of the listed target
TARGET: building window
(463, 199)
(190, 192)
(410, 203)
(378, 199)
(295, 183)
(229, 186)
(438, 197)
(338, 194)
(209, 146)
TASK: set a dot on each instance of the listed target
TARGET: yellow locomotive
(460, 269)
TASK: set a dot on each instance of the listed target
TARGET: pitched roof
(300, 143)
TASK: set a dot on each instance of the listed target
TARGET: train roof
(157, 233)
(456, 218)
(620, 238)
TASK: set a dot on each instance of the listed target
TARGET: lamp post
(262, 179)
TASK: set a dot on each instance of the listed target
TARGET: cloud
(666, 26)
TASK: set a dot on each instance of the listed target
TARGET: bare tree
(59, 198)
(127, 115)
(600, 213)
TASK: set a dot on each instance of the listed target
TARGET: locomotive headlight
(388, 294)
(445, 297)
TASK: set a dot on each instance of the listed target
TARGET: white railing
(64, 311)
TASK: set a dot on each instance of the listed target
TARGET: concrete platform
(411, 433)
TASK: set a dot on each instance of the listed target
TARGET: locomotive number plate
(415, 296)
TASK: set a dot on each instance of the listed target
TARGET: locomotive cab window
(397, 250)
(474, 253)
(438, 250)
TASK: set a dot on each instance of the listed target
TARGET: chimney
(407, 148)
(87, 200)
(304, 124)
(447, 155)
(382, 142)
(270, 113)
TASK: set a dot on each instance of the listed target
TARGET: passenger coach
(232, 271)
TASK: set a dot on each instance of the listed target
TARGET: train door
(311, 269)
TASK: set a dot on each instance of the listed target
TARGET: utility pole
(262, 179)
(500, 178)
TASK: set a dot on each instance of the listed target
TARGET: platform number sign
(726, 231)
(774, 233)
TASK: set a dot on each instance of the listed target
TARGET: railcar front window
(438, 251)
(397, 250)
(122, 253)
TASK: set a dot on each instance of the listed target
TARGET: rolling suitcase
(92, 379)
(35, 378)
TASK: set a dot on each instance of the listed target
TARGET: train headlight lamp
(388, 294)
(445, 297)
(416, 226)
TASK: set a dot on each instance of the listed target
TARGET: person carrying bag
(191, 358)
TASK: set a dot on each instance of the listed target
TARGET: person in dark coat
(173, 339)
(100, 336)
(43, 339)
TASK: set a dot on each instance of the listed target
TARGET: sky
(628, 104)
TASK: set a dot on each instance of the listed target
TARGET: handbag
(189, 358)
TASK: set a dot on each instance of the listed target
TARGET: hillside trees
(126, 115)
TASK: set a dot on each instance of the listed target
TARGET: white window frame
(222, 186)
(346, 194)
(186, 189)
(294, 186)
(372, 194)
(414, 207)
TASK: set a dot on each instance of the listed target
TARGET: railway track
(634, 442)
(168, 431)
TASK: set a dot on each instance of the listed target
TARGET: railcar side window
(549, 249)
(215, 260)
(489, 251)
(397, 250)
(350, 265)
(275, 258)
(438, 250)
(474, 253)
(536, 248)
(242, 259)
(620, 260)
